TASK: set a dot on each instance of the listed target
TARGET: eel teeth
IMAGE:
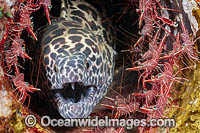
(73, 86)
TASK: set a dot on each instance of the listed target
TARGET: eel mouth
(75, 92)
(75, 100)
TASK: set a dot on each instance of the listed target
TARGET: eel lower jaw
(70, 106)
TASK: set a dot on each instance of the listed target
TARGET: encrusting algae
(187, 114)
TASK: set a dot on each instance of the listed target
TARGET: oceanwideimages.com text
(99, 122)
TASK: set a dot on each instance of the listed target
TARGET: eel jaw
(76, 100)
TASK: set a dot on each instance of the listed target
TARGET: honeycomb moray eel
(76, 60)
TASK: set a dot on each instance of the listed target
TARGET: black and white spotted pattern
(76, 59)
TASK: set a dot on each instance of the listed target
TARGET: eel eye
(87, 64)
(55, 68)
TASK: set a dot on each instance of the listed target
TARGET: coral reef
(12, 113)
(161, 61)
(187, 113)
(6, 99)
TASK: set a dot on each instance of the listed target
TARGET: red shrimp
(163, 19)
(188, 45)
(167, 77)
(172, 57)
(151, 64)
(145, 7)
(22, 87)
(14, 52)
(47, 6)
(149, 95)
(122, 107)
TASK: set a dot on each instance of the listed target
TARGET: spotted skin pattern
(76, 60)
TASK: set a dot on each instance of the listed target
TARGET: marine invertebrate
(123, 106)
(18, 19)
(157, 63)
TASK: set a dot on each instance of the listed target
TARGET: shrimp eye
(159, 75)
(175, 24)
(50, 6)
(155, 107)
(55, 68)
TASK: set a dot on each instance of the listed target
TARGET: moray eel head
(75, 95)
